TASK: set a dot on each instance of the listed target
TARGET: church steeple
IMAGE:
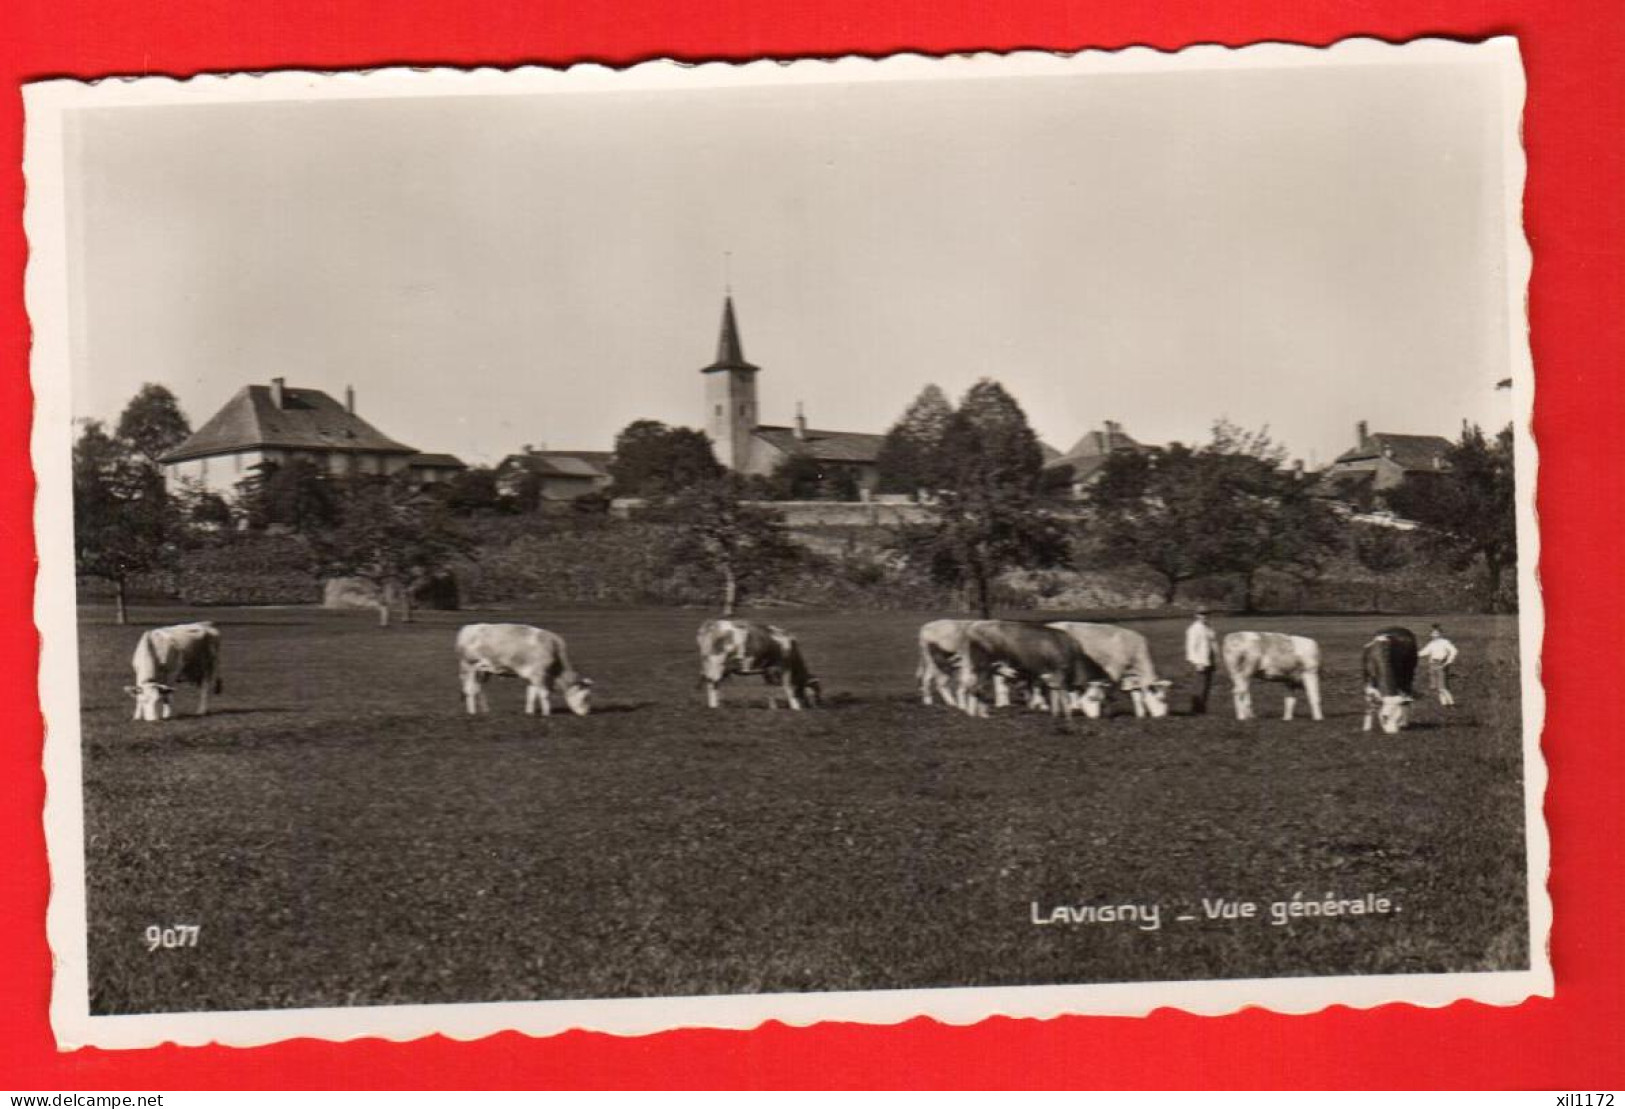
(730, 351)
(730, 396)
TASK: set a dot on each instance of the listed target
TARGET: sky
(1297, 248)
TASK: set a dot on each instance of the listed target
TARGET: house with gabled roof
(559, 475)
(747, 446)
(1380, 461)
(277, 423)
(1087, 458)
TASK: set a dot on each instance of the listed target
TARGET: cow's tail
(219, 686)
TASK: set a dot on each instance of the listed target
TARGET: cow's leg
(542, 699)
(711, 698)
(1138, 697)
(1244, 701)
(790, 693)
(1371, 702)
(1289, 701)
(1001, 692)
(1311, 690)
(203, 696)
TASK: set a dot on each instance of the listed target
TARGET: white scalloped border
(46, 295)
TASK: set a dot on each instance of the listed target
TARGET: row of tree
(1227, 506)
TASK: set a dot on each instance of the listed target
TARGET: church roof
(308, 419)
(730, 351)
(827, 446)
(1412, 452)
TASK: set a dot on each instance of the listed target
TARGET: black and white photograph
(834, 540)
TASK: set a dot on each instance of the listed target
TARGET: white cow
(1125, 655)
(732, 646)
(1293, 660)
(519, 651)
(166, 657)
(942, 645)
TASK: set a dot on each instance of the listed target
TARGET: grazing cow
(731, 646)
(942, 643)
(1390, 677)
(1126, 657)
(1272, 657)
(166, 657)
(1049, 661)
(519, 651)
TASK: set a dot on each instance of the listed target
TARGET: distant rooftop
(281, 417)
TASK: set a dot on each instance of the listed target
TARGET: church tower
(730, 395)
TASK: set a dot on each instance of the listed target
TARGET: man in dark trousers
(1202, 652)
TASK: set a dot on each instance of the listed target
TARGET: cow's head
(153, 700)
(1394, 713)
(813, 692)
(1092, 701)
(713, 665)
(578, 695)
(1155, 695)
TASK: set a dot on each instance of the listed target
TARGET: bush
(249, 570)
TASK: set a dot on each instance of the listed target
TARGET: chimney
(801, 422)
(349, 399)
(277, 391)
(1362, 431)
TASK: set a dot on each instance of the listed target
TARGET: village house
(1087, 458)
(278, 423)
(1380, 461)
(559, 475)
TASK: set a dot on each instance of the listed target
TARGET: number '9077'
(177, 935)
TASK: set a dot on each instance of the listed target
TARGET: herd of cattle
(1062, 667)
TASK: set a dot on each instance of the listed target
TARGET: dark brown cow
(1390, 679)
(1045, 658)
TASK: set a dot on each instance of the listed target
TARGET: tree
(295, 494)
(653, 460)
(1227, 507)
(1156, 508)
(910, 457)
(1468, 511)
(473, 491)
(1382, 551)
(153, 424)
(391, 537)
(121, 516)
(987, 513)
(745, 545)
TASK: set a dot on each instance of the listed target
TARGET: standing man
(1440, 655)
(1202, 652)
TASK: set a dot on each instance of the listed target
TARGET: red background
(1574, 129)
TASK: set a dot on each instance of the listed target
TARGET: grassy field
(342, 834)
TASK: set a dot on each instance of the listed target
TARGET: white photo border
(49, 103)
